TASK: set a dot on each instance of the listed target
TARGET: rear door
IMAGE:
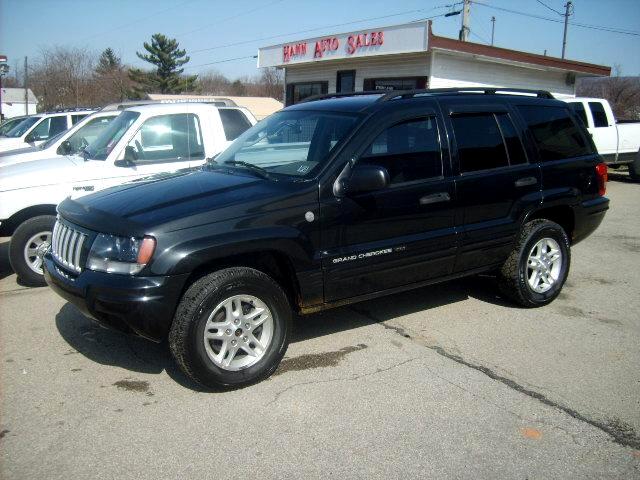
(404, 233)
(495, 183)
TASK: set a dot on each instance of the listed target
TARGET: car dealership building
(410, 56)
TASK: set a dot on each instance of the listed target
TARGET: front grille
(66, 246)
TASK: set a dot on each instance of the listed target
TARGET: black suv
(328, 202)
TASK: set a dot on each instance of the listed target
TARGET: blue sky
(28, 25)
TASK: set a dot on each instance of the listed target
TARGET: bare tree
(623, 93)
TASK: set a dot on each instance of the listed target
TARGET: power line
(244, 42)
(582, 25)
(479, 37)
(221, 61)
(550, 8)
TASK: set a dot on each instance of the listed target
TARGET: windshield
(52, 140)
(101, 147)
(291, 143)
(9, 124)
(22, 127)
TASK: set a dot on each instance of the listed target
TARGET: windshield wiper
(254, 168)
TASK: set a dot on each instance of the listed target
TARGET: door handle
(435, 198)
(526, 181)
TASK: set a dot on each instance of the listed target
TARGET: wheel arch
(563, 215)
(14, 221)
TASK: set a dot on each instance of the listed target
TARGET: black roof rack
(72, 109)
(386, 95)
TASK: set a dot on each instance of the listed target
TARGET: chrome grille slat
(66, 246)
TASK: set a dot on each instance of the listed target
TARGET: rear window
(578, 109)
(234, 122)
(598, 114)
(555, 132)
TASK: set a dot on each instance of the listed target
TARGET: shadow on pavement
(5, 266)
(109, 347)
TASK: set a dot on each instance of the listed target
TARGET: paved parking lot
(448, 380)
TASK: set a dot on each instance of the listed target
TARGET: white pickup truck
(617, 141)
(139, 142)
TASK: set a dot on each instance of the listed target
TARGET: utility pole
(26, 88)
(568, 11)
(466, 17)
(493, 28)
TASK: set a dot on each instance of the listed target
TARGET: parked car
(141, 141)
(9, 123)
(68, 142)
(617, 141)
(36, 129)
(326, 203)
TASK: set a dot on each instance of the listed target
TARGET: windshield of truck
(22, 127)
(9, 124)
(293, 143)
(84, 136)
(102, 146)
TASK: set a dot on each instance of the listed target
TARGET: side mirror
(30, 138)
(364, 178)
(65, 148)
(130, 157)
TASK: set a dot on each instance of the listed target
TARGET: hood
(166, 198)
(37, 173)
(22, 155)
(10, 143)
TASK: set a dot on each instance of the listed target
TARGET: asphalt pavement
(445, 381)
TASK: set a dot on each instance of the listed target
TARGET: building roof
(16, 95)
(260, 107)
(444, 43)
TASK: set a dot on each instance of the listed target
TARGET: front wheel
(27, 239)
(634, 169)
(231, 328)
(538, 266)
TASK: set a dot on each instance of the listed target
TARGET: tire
(203, 360)
(634, 169)
(28, 235)
(516, 274)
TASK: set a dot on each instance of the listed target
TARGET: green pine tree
(167, 57)
(108, 62)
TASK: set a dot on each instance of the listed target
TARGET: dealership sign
(396, 39)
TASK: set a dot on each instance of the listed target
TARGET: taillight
(602, 176)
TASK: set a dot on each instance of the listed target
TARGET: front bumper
(141, 305)
(588, 217)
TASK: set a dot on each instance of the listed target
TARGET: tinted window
(58, 125)
(598, 114)
(578, 109)
(234, 122)
(409, 151)
(512, 140)
(168, 138)
(555, 132)
(480, 145)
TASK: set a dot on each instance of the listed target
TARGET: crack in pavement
(620, 432)
(340, 379)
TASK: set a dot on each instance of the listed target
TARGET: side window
(598, 114)
(409, 150)
(578, 109)
(515, 150)
(480, 145)
(41, 131)
(76, 118)
(555, 132)
(58, 125)
(167, 138)
(234, 123)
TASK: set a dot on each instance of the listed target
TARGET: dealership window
(346, 81)
(409, 150)
(297, 92)
(399, 83)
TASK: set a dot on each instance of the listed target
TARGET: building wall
(16, 109)
(413, 65)
(453, 71)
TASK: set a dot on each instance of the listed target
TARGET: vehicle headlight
(124, 255)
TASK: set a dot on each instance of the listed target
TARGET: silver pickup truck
(618, 141)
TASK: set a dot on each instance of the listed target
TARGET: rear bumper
(588, 217)
(141, 305)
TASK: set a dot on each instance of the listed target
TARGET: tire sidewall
(16, 248)
(545, 230)
(204, 368)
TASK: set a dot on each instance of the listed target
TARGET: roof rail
(389, 95)
(484, 90)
